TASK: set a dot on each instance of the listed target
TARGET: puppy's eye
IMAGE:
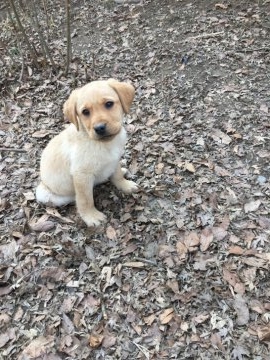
(86, 112)
(109, 104)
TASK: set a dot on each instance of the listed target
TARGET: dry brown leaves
(181, 269)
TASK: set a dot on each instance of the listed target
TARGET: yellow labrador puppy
(88, 151)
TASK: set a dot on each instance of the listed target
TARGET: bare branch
(31, 48)
(68, 36)
(42, 40)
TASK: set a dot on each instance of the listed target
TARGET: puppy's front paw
(127, 186)
(93, 217)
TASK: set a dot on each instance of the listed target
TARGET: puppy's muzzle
(100, 130)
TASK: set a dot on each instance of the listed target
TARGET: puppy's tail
(45, 196)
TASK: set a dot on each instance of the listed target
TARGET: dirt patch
(180, 270)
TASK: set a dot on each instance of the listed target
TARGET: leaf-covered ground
(181, 269)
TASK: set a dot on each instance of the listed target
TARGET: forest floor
(181, 269)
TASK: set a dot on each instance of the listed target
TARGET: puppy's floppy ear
(69, 108)
(125, 91)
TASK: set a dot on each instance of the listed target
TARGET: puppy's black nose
(100, 129)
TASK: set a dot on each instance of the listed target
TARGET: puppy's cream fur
(88, 151)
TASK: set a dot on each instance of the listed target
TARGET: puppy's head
(98, 108)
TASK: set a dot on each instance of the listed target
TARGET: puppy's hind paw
(93, 217)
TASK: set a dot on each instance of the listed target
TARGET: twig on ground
(12, 149)
(150, 262)
(142, 349)
(205, 36)
(104, 313)
(22, 71)
(266, 49)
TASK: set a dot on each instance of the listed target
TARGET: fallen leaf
(91, 303)
(173, 285)
(184, 326)
(179, 223)
(236, 250)
(108, 341)
(159, 168)
(237, 136)
(4, 318)
(220, 137)
(264, 108)
(129, 249)
(9, 250)
(66, 342)
(181, 249)
(241, 309)
(67, 304)
(216, 321)
(67, 324)
(263, 332)
(42, 224)
(55, 273)
(82, 268)
(264, 222)
(257, 306)
(4, 338)
(55, 213)
(206, 238)
(248, 276)
(255, 262)
(239, 351)
(17, 234)
(165, 250)
(111, 233)
(29, 195)
(216, 341)
(166, 316)
(252, 206)
(152, 120)
(234, 239)
(149, 319)
(191, 241)
(106, 272)
(40, 134)
(221, 6)
(201, 318)
(219, 233)
(95, 340)
(30, 71)
(264, 256)
(37, 347)
(5, 290)
(189, 167)
(221, 171)
(194, 338)
(234, 281)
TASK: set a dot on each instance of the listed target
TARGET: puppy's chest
(105, 165)
(99, 161)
